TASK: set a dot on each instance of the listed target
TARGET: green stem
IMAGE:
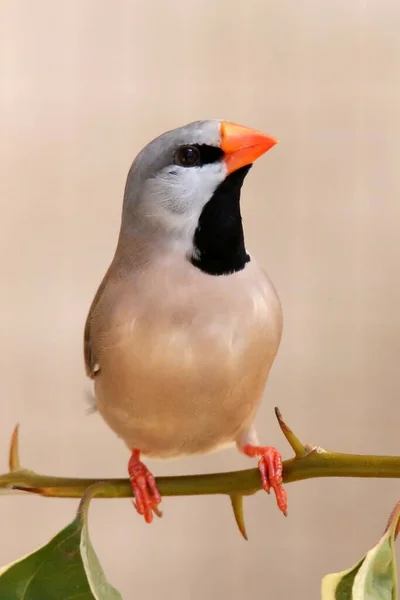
(317, 463)
(308, 462)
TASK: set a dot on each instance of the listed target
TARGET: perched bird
(185, 326)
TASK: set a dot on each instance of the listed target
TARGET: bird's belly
(170, 389)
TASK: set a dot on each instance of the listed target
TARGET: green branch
(308, 462)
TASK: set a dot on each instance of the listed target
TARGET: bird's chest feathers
(184, 359)
(177, 322)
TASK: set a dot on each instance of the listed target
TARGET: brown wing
(88, 350)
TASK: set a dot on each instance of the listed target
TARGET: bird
(185, 325)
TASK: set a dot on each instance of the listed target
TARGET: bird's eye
(187, 156)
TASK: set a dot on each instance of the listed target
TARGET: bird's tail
(90, 401)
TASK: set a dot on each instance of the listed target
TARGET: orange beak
(242, 146)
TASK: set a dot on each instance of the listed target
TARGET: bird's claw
(270, 467)
(144, 488)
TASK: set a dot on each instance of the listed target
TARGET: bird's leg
(269, 465)
(144, 488)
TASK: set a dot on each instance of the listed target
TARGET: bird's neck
(219, 247)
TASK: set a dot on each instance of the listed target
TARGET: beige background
(84, 85)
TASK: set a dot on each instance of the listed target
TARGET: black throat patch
(218, 239)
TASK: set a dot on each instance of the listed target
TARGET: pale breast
(184, 356)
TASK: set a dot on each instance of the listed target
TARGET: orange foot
(270, 467)
(144, 488)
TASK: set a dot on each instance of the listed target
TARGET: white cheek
(190, 189)
(178, 198)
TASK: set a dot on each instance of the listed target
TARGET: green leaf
(66, 568)
(373, 577)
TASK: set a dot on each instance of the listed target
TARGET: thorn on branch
(13, 457)
(237, 505)
(28, 489)
(298, 448)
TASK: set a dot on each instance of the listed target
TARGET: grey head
(183, 190)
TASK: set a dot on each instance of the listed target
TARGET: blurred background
(84, 85)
